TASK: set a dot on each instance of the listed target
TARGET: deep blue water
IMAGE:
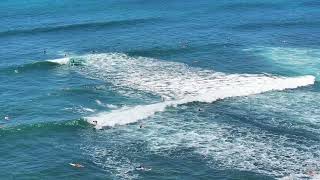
(219, 88)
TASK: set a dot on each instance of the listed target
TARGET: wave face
(176, 83)
(42, 65)
(43, 126)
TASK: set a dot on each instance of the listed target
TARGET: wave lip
(61, 61)
(40, 65)
(175, 82)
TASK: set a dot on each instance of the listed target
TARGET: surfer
(95, 122)
(77, 165)
(199, 109)
(142, 168)
(44, 51)
(141, 126)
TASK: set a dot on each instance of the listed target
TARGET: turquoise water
(222, 89)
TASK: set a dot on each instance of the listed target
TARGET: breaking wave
(176, 83)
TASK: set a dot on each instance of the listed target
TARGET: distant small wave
(248, 6)
(76, 26)
(312, 4)
(183, 48)
(277, 25)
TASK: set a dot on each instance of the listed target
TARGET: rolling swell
(70, 27)
(312, 4)
(45, 126)
(249, 6)
(41, 65)
(182, 49)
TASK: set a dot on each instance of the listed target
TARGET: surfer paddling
(77, 165)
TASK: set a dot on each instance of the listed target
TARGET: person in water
(142, 168)
(77, 165)
(95, 122)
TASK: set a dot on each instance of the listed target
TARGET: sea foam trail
(176, 83)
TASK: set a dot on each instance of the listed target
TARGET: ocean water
(221, 89)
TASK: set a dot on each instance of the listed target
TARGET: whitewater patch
(61, 61)
(299, 60)
(223, 145)
(132, 114)
(216, 140)
(175, 82)
(229, 146)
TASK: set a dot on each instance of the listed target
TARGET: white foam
(316, 177)
(62, 61)
(112, 106)
(88, 109)
(218, 144)
(176, 82)
(80, 109)
(125, 115)
(299, 60)
(230, 146)
(98, 102)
